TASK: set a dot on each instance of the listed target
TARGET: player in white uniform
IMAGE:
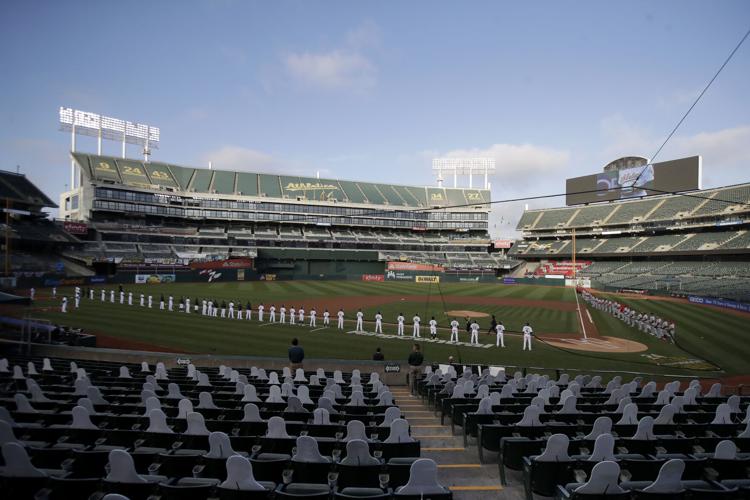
(400, 321)
(204, 307)
(474, 332)
(78, 300)
(340, 316)
(301, 315)
(261, 307)
(378, 323)
(91, 295)
(223, 309)
(161, 303)
(292, 315)
(143, 301)
(326, 318)
(64, 305)
(54, 292)
(313, 314)
(248, 311)
(415, 332)
(210, 308)
(433, 327)
(150, 301)
(231, 310)
(282, 314)
(103, 297)
(112, 296)
(122, 298)
(360, 316)
(170, 304)
(527, 333)
(500, 335)
(130, 298)
(187, 305)
(454, 331)
(32, 293)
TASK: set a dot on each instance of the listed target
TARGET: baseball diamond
(375, 250)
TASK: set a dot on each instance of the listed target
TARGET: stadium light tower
(463, 166)
(79, 122)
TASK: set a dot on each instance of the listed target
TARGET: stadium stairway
(458, 467)
(75, 269)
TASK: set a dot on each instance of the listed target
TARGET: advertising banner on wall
(71, 227)
(373, 277)
(728, 304)
(240, 263)
(503, 244)
(398, 276)
(141, 279)
(427, 279)
(412, 266)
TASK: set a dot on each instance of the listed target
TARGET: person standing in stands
(415, 361)
(296, 354)
(378, 355)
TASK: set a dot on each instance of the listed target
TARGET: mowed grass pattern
(197, 334)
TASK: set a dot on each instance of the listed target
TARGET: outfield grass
(197, 334)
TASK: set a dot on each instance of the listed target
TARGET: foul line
(580, 316)
(321, 328)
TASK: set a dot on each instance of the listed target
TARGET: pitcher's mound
(467, 314)
(598, 344)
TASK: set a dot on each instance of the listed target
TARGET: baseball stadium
(173, 331)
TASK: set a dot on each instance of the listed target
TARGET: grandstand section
(696, 243)
(155, 213)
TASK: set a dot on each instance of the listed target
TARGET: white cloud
(347, 67)
(338, 69)
(242, 159)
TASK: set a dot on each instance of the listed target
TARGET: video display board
(683, 174)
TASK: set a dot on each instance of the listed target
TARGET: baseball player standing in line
(527, 333)
(78, 300)
(91, 294)
(301, 315)
(378, 323)
(130, 298)
(454, 330)
(223, 309)
(359, 327)
(272, 313)
(415, 332)
(122, 297)
(231, 309)
(326, 318)
(103, 296)
(54, 292)
(64, 305)
(313, 314)
(150, 301)
(400, 320)
(261, 307)
(187, 305)
(204, 307)
(142, 303)
(112, 296)
(499, 337)
(161, 303)
(340, 316)
(282, 314)
(433, 327)
(248, 311)
(170, 304)
(239, 309)
(292, 315)
(474, 332)
(32, 293)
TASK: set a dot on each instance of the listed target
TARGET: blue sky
(374, 90)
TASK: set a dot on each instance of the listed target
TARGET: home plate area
(421, 339)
